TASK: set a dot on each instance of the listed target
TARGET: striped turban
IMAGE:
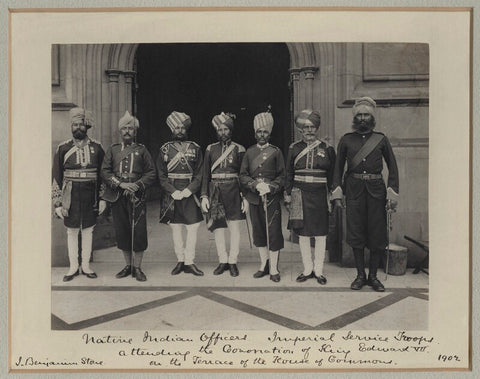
(82, 115)
(263, 121)
(128, 120)
(364, 105)
(178, 118)
(222, 119)
(308, 114)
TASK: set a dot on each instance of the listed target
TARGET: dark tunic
(316, 165)
(226, 189)
(365, 199)
(134, 164)
(271, 170)
(179, 166)
(84, 193)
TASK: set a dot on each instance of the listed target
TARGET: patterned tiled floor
(185, 302)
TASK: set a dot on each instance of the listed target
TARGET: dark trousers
(122, 222)
(257, 215)
(367, 222)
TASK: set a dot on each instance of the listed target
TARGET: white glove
(205, 205)
(186, 193)
(102, 205)
(244, 205)
(58, 212)
(177, 195)
(263, 188)
(392, 205)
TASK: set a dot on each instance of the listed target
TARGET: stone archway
(100, 78)
(311, 79)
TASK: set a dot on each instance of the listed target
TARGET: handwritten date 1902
(446, 358)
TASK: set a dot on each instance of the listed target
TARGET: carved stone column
(309, 73)
(294, 81)
(129, 82)
(113, 76)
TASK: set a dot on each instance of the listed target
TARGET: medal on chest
(321, 153)
(190, 154)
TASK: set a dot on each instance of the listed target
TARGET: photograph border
(242, 9)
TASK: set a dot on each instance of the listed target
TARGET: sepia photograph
(135, 124)
(241, 190)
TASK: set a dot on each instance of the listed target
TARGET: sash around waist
(309, 179)
(172, 175)
(81, 175)
(225, 176)
(311, 171)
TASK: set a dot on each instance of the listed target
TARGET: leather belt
(225, 176)
(81, 175)
(172, 175)
(367, 176)
(309, 179)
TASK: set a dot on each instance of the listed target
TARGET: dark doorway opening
(204, 79)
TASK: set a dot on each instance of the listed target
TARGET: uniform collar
(261, 147)
(364, 133)
(124, 145)
(308, 144)
(82, 143)
(228, 143)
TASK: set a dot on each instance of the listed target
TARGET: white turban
(128, 120)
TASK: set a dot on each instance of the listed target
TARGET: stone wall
(324, 76)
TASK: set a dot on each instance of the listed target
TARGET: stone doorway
(203, 79)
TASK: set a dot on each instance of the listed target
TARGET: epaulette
(294, 143)
(65, 142)
(165, 144)
(95, 141)
(241, 148)
(210, 146)
(326, 142)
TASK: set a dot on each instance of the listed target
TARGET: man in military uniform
(128, 169)
(310, 164)
(367, 199)
(179, 166)
(76, 189)
(222, 198)
(262, 175)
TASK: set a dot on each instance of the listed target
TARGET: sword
(166, 210)
(389, 227)
(133, 200)
(265, 208)
(248, 231)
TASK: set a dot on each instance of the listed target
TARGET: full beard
(179, 137)
(79, 134)
(224, 138)
(363, 126)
